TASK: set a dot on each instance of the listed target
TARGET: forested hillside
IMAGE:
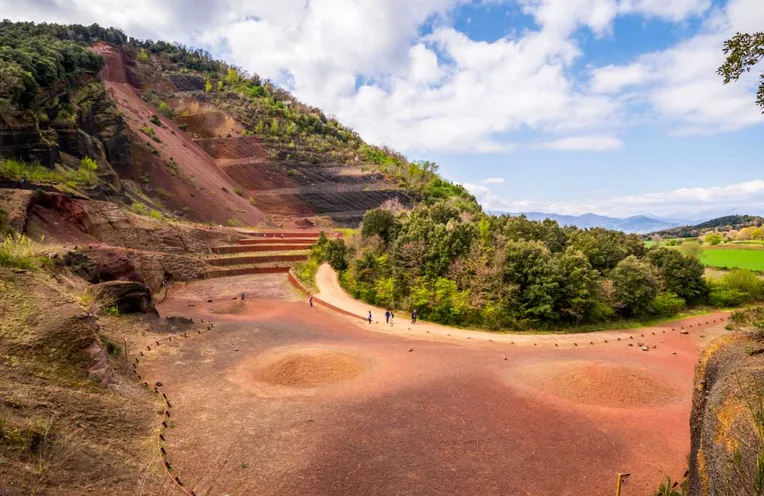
(68, 118)
(721, 224)
(456, 265)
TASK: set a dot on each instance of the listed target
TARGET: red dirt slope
(197, 185)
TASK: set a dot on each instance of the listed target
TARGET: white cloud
(493, 180)
(673, 10)
(680, 84)
(445, 91)
(690, 202)
(581, 143)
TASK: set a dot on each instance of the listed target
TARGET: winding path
(331, 292)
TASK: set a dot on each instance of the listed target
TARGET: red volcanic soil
(283, 399)
(197, 187)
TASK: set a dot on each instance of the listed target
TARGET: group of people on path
(389, 315)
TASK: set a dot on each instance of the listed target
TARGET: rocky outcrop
(727, 420)
(63, 219)
(127, 296)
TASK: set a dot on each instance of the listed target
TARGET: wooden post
(618, 486)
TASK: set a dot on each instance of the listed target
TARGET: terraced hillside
(282, 180)
(262, 253)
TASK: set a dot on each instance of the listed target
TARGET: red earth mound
(597, 383)
(308, 368)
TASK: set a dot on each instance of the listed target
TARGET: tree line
(456, 265)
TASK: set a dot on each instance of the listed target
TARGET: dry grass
(20, 252)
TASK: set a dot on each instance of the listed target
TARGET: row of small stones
(166, 409)
(641, 345)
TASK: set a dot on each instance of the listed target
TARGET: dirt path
(331, 292)
(284, 399)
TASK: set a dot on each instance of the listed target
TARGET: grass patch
(20, 252)
(306, 273)
(239, 191)
(234, 222)
(734, 258)
(16, 170)
(149, 131)
(141, 209)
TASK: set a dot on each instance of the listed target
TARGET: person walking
(310, 300)
(369, 317)
(242, 296)
(387, 317)
(392, 317)
(413, 316)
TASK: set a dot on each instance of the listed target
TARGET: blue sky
(567, 106)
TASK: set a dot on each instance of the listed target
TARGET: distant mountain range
(639, 224)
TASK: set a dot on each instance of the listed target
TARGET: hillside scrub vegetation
(458, 266)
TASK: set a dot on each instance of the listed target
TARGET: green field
(733, 258)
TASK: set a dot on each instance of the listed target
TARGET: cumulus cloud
(715, 200)
(493, 180)
(680, 84)
(368, 63)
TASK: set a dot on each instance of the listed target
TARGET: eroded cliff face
(727, 420)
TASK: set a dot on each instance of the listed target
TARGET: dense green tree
(578, 280)
(636, 284)
(681, 274)
(534, 273)
(336, 254)
(379, 222)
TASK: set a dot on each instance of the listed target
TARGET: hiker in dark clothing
(369, 317)
(242, 296)
(310, 300)
(392, 317)
(413, 316)
(387, 317)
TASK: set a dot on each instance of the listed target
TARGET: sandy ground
(286, 399)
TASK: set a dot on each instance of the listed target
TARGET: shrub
(225, 190)
(713, 238)
(155, 120)
(234, 222)
(722, 296)
(744, 281)
(220, 85)
(207, 86)
(239, 191)
(668, 304)
(183, 127)
(149, 131)
(166, 110)
(18, 251)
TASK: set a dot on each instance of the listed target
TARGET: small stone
(645, 348)
(209, 301)
(158, 384)
(236, 349)
(683, 332)
(702, 336)
(411, 349)
(505, 358)
(631, 344)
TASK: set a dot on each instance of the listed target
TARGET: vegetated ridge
(721, 224)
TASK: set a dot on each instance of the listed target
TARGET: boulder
(127, 296)
(81, 265)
